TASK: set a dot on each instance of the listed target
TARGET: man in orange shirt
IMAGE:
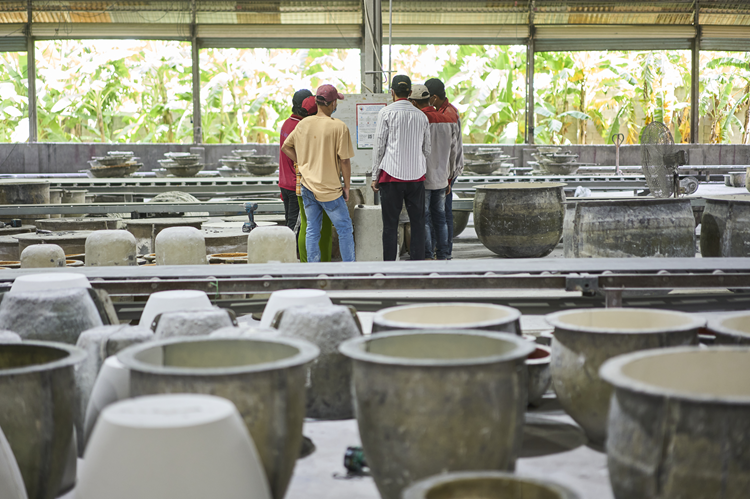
(439, 100)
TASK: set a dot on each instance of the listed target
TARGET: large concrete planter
(428, 402)
(519, 220)
(624, 228)
(486, 485)
(725, 227)
(732, 329)
(679, 423)
(265, 378)
(585, 339)
(477, 316)
(37, 405)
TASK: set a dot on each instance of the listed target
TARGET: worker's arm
(289, 151)
(346, 172)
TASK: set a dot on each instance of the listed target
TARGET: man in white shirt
(402, 143)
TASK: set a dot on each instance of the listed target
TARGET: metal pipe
(197, 127)
(390, 40)
(31, 76)
(695, 79)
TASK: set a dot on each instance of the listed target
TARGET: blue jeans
(339, 215)
(449, 219)
(436, 229)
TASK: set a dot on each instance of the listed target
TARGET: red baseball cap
(310, 106)
(328, 93)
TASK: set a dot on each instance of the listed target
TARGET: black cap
(299, 97)
(400, 83)
(435, 87)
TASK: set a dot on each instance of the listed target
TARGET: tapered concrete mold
(271, 244)
(428, 402)
(110, 248)
(623, 228)
(265, 378)
(36, 410)
(486, 485)
(42, 256)
(679, 423)
(725, 227)
(585, 339)
(519, 220)
(169, 446)
(181, 246)
(328, 393)
(732, 329)
(478, 316)
(60, 315)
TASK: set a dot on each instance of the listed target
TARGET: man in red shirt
(439, 100)
(287, 175)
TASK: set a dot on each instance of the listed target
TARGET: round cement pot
(265, 378)
(732, 329)
(539, 373)
(725, 227)
(460, 221)
(37, 404)
(621, 228)
(679, 423)
(479, 316)
(519, 220)
(486, 485)
(432, 401)
(585, 339)
(25, 192)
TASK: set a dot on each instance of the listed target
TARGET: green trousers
(326, 235)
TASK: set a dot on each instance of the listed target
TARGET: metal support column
(197, 130)
(372, 47)
(31, 76)
(695, 73)
(530, 86)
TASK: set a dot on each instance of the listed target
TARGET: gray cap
(419, 92)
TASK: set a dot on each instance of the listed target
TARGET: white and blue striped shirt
(402, 142)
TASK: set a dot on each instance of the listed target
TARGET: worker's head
(419, 96)
(437, 91)
(327, 98)
(400, 87)
(309, 107)
(299, 97)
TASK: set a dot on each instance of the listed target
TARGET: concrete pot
(170, 446)
(519, 220)
(679, 423)
(329, 393)
(265, 378)
(627, 228)
(60, 315)
(112, 385)
(584, 339)
(477, 316)
(725, 227)
(41, 256)
(433, 401)
(732, 329)
(539, 373)
(486, 485)
(37, 404)
(460, 221)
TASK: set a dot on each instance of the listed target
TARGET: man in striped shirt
(439, 100)
(402, 143)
